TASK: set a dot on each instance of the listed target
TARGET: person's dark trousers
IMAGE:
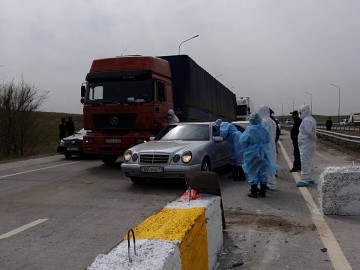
(297, 162)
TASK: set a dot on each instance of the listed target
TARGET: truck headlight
(62, 143)
(186, 157)
(127, 155)
(89, 141)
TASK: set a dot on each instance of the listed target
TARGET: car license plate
(152, 169)
(72, 149)
(113, 140)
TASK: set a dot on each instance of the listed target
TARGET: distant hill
(49, 128)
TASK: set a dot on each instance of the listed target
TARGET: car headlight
(127, 155)
(176, 158)
(89, 141)
(186, 157)
(62, 143)
(134, 157)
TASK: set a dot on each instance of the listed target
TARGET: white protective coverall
(172, 118)
(270, 124)
(307, 144)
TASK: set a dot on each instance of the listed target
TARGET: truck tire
(109, 160)
(205, 165)
(67, 156)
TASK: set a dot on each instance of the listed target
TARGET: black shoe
(262, 192)
(253, 191)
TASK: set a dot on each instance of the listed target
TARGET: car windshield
(193, 132)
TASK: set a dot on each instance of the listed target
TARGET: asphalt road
(60, 214)
(285, 230)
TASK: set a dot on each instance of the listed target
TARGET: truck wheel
(67, 156)
(205, 165)
(109, 160)
(137, 180)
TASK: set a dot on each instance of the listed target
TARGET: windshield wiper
(102, 102)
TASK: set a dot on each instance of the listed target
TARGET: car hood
(167, 146)
(74, 137)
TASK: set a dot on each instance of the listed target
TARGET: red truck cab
(125, 100)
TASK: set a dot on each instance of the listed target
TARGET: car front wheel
(205, 165)
(109, 160)
(137, 180)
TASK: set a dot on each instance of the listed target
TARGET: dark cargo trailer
(198, 96)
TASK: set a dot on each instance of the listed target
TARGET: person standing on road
(264, 112)
(258, 159)
(307, 146)
(231, 134)
(172, 118)
(62, 129)
(329, 124)
(294, 137)
(70, 126)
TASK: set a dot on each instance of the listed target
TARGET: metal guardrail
(338, 136)
(340, 127)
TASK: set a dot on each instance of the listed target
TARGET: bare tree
(18, 102)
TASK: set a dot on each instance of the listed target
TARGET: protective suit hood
(264, 111)
(172, 118)
(304, 111)
(255, 118)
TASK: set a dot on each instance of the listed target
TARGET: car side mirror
(83, 90)
(218, 138)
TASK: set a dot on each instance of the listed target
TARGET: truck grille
(119, 120)
(153, 159)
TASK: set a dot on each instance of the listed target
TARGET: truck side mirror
(82, 100)
(83, 90)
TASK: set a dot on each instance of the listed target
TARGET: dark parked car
(72, 145)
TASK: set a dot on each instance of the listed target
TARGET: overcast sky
(271, 50)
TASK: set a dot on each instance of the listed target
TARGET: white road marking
(23, 228)
(336, 255)
(41, 169)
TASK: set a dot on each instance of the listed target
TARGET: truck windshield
(119, 91)
(241, 110)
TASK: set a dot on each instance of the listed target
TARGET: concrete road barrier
(183, 235)
(339, 191)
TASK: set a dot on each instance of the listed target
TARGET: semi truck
(126, 100)
(354, 119)
(244, 107)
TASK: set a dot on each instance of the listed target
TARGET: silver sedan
(176, 150)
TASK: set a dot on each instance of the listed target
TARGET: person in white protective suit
(257, 157)
(270, 124)
(172, 118)
(307, 146)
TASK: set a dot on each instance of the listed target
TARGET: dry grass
(49, 130)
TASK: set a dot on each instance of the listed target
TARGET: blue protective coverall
(258, 160)
(230, 133)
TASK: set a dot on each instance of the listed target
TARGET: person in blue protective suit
(231, 134)
(258, 161)
(307, 145)
(264, 112)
